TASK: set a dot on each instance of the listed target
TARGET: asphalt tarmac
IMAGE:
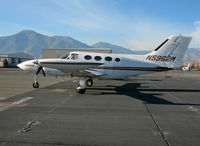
(156, 109)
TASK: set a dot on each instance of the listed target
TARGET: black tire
(81, 91)
(36, 85)
(89, 82)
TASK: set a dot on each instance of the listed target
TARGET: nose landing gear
(36, 83)
(40, 68)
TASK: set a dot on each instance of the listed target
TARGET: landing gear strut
(35, 83)
(89, 82)
(81, 86)
(40, 68)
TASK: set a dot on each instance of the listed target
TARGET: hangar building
(57, 53)
(14, 59)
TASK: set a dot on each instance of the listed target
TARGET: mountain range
(31, 42)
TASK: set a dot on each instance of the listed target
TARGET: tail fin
(171, 52)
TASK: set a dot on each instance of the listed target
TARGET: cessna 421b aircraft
(87, 65)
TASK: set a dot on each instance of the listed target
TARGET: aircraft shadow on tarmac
(134, 90)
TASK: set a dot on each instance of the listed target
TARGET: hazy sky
(135, 24)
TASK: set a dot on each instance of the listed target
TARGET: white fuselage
(98, 64)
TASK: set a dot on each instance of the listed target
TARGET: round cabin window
(108, 58)
(88, 57)
(117, 59)
(97, 58)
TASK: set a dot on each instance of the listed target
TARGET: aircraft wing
(76, 67)
(92, 72)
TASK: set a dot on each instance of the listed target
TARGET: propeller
(36, 62)
(39, 68)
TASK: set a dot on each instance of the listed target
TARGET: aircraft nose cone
(21, 66)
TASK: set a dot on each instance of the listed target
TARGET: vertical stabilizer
(171, 52)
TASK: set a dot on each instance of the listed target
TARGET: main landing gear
(81, 88)
(89, 82)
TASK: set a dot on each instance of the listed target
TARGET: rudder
(171, 52)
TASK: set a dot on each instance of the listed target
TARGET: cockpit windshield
(65, 56)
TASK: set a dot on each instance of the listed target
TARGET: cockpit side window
(74, 56)
(65, 56)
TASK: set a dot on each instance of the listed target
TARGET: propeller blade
(38, 71)
(43, 72)
(35, 62)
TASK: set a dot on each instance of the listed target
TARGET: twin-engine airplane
(87, 65)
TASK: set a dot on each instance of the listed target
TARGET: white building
(15, 58)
